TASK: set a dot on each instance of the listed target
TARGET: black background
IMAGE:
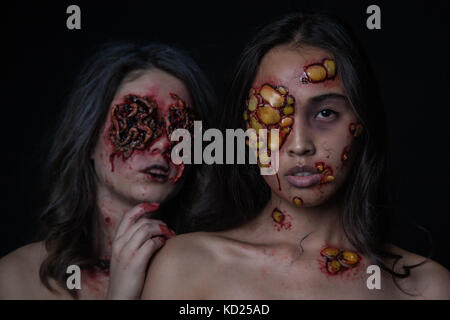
(408, 55)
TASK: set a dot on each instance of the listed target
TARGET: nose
(300, 141)
(160, 145)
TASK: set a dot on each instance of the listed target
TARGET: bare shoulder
(182, 266)
(19, 269)
(429, 280)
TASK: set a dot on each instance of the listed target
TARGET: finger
(168, 233)
(148, 249)
(130, 217)
(145, 232)
(128, 234)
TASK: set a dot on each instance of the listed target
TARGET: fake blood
(136, 124)
(282, 220)
(96, 280)
(149, 206)
(278, 179)
(269, 107)
(334, 262)
(166, 231)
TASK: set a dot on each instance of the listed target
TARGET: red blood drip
(278, 179)
(180, 170)
(111, 160)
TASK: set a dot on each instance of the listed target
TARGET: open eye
(327, 114)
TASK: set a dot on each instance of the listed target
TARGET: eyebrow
(318, 99)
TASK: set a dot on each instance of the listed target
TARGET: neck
(320, 224)
(111, 210)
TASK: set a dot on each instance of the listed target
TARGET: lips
(157, 172)
(303, 176)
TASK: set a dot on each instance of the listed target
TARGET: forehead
(155, 83)
(284, 65)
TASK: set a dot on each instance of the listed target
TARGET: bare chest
(282, 276)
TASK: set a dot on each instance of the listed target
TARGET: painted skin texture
(262, 260)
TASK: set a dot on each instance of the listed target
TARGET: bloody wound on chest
(339, 260)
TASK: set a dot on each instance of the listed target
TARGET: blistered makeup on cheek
(355, 130)
(326, 171)
(345, 154)
(269, 107)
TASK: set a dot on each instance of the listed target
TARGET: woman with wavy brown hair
(115, 196)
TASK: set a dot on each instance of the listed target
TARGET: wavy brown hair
(239, 192)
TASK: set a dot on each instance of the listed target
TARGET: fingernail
(166, 231)
(150, 206)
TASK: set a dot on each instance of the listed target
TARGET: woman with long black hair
(115, 196)
(311, 230)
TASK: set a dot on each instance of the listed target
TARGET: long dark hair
(69, 221)
(241, 192)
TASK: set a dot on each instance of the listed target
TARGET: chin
(154, 197)
(150, 193)
(311, 197)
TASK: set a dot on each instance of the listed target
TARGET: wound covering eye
(181, 116)
(135, 125)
